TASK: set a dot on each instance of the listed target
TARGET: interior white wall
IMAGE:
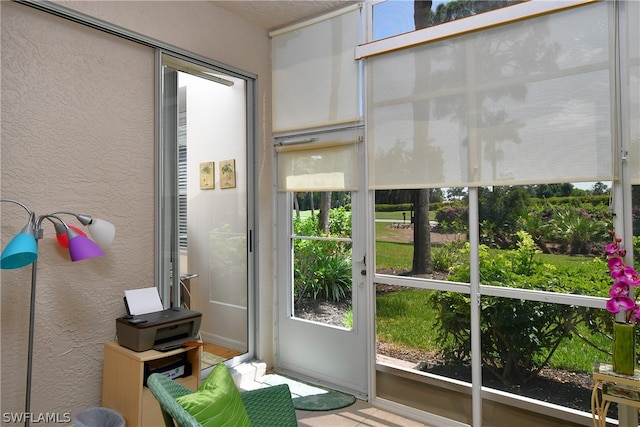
(78, 134)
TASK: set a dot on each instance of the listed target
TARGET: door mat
(309, 397)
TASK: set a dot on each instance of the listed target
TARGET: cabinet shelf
(123, 377)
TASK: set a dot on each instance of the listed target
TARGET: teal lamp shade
(81, 247)
(22, 250)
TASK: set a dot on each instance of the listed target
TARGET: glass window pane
(544, 237)
(394, 17)
(435, 218)
(517, 364)
(408, 337)
(322, 263)
(421, 234)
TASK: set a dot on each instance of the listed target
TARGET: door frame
(166, 215)
(327, 355)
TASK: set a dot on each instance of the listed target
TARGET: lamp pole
(22, 250)
(32, 316)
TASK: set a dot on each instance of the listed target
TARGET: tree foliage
(457, 9)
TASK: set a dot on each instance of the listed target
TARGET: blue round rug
(311, 397)
(324, 402)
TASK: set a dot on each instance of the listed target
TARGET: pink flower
(623, 277)
(629, 275)
(612, 248)
(615, 263)
(619, 289)
(614, 305)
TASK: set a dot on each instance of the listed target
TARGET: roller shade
(318, 166)
(524, 103)
(315, 75)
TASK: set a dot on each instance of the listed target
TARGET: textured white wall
(78, 134)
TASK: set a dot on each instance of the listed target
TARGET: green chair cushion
(217, 402)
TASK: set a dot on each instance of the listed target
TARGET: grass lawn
(400, 314)
(396, 256)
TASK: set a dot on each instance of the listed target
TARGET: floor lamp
(22, 250)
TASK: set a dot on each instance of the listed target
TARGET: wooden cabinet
(123, 378)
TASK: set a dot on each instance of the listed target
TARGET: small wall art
(228, 174)
(207, 176)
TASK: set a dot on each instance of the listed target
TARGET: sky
(395, 17)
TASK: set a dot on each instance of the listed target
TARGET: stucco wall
(78, 134)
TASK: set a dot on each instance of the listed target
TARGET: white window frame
(621, 189)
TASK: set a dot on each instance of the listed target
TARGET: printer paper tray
(172, 345)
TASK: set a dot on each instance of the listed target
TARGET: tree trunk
(421, 229)
(296, 205)
(421, 233)
(323, 214)
(421, 13)
(311, 206)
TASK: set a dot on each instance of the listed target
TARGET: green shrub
(577, 230)
(322, 268)
(340, 222)
(566, 228)
(453, 218)
(518, 337)
(347, 320)
(499, 210)
(406, 207)
(445, 257)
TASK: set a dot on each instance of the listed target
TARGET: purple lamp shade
(81, 247)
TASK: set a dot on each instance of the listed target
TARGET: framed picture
(207, 176)
(228, 174)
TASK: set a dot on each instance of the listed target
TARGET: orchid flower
(634, 315)
(619, 289)
(624, 277)
(612, 248)
(614, 305)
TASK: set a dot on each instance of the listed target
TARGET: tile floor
(360, 414)
(249, 376)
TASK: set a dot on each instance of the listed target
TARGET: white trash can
(98, 417)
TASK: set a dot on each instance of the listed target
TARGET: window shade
(524, 103)
(318, 166)
(315, 75)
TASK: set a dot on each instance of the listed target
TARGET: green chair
(266, 407)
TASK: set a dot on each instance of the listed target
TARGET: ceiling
(275, 14)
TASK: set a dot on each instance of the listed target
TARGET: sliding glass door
(206, 208)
